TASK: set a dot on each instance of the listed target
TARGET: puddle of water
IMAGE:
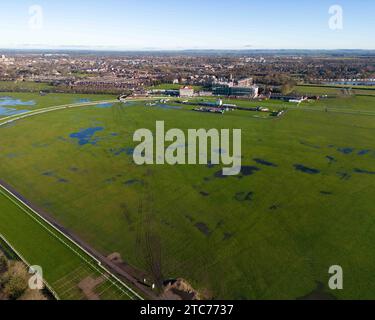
(249, 170)
(104, 105)
(86, 136)
(52, 174)
(345, 150)
(302, 168)
(12, 102)
(363, 171)
(245, 171)
(265, 163)
(363, 152)
(202, 227)
(129, 103)
(133, 182)
(4, 111)
(83, 100)
(127, 150)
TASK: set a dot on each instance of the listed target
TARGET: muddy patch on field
(180, 289)
(86, 136)
(203, 228)
(318, 294)
(115, 257)
(304, 169)
(264, 162)
(88, 286)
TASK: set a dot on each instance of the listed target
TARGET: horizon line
(113, 49)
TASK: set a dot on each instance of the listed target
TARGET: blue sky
(192, 24)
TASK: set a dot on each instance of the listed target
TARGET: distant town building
(248, 82)
(186, 92)
(6, 61)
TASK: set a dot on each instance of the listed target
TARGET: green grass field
(273, 234)
(64, 264)
(335, 90)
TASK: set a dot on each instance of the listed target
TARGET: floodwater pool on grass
(12, 102)
(10, 111)
(104, 105)
(85, 136)
(7, 105)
